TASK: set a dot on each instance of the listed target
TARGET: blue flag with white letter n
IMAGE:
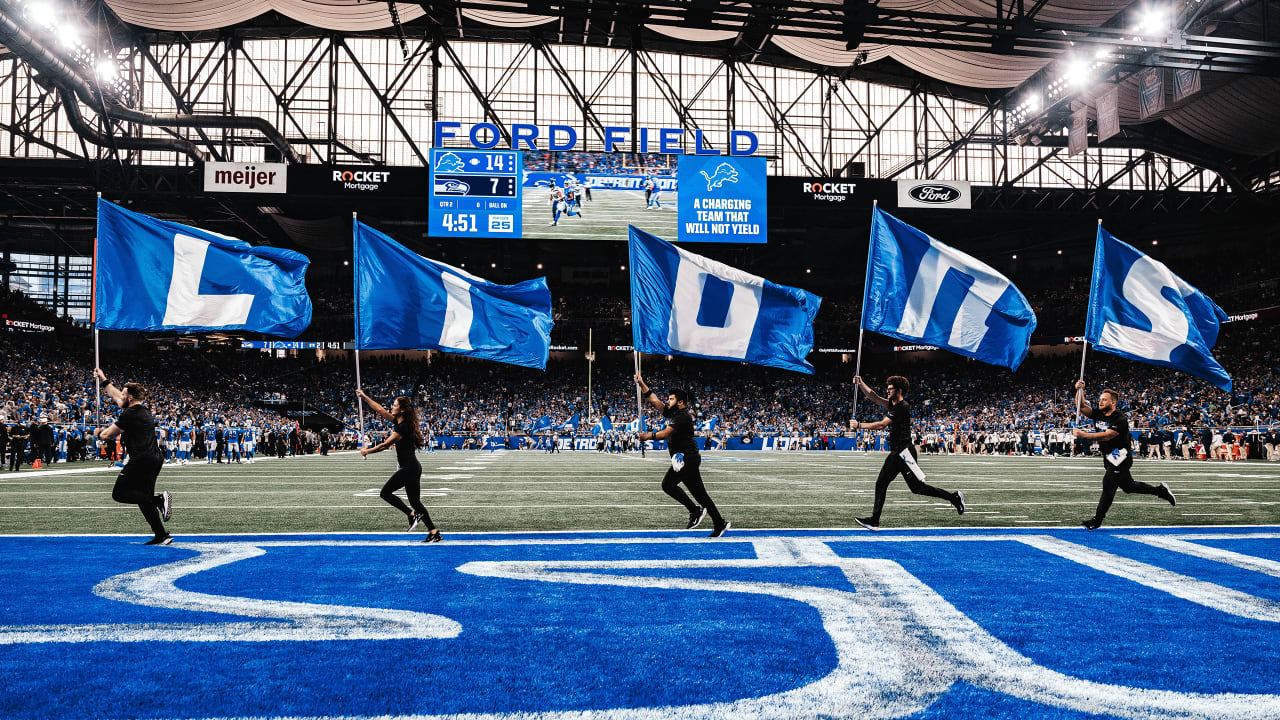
(1140, 310)
(921, 290)
(407, 302)
(686, 304)
(156, 275)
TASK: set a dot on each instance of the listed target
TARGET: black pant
(1118, 477)
(136, 485)
(692, 479)
(895, 465)
(409, 478)
(16, 451)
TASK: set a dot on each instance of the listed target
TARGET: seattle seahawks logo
(724, 174)
(452, 187)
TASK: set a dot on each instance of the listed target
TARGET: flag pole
(97, 360)
(1084, 350)
(590, 359)
(355, 269)
(857, 366)
(639, 412)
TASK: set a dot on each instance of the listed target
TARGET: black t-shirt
(139, 433)
(1114, 421)
(681, 439)
(405, 445)
(899, 426)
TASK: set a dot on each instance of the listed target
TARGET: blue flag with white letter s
(1140, 310)
(407, 302)
(686, 304)
(156, 275)
(920, 290)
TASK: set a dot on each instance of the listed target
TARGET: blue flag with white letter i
(407, 302)
(1140, 310)
(154, 275)
(923, 291)
(686, 304)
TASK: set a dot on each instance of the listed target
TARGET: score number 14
(459, 222)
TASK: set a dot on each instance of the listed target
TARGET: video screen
(594, 196)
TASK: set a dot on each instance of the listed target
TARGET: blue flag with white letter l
(686, 304)
(154, 275)
(1140, 310)
(923, 291)
(407, 302)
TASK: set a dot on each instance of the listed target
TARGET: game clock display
(475, 193)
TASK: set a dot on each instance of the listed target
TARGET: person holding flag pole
(1140, 310)
(407, 438)
(360, 438)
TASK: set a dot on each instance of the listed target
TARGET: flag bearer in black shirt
(1117, 453)
(685, 458)
(902, 452)
(407, 437)
(136, 484)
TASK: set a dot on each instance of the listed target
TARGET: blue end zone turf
(1024, 623)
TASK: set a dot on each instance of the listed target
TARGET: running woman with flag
(902, 452)
(407, 437)
(685, 459)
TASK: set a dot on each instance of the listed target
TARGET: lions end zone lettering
(667, 141)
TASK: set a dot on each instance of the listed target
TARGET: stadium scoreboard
(475, 193)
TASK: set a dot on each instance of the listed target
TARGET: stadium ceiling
(1015, 49)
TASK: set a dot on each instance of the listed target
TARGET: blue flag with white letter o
(686, 304)
(407, 302)
(1140, 310)
(920, 290)
(156, 275)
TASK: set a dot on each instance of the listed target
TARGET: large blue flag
(1140, 310)
(156, 275)
(686, 304)
(604, 424)
(572, 423)
(922, 291)
(542, 423)
(405, 301)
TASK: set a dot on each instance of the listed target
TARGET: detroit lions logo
(452, 187)
(724, 174)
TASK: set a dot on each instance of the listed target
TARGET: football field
(604, 217)
(567, 588)
(583, 490)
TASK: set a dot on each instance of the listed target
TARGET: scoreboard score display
(475, 193)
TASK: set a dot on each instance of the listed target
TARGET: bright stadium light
(346, 263)
(107, 70)
(42, 14)
(493, 265)
(1015, 257)
(1059, 252)
(1032, 102)
(539, 266)
(69, 36)
(1077, 73)
(622, 267)
(1154, 21)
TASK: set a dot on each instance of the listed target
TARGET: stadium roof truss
(138, 91)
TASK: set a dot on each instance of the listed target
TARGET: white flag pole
(1084, 350)
(639, 411)
(97, 360)
(355, 268)
(857, 367)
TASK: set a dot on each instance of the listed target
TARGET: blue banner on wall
(722, 199)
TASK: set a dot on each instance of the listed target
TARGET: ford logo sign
(934, 194)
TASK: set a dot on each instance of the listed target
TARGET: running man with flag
(902, 452)
(685, 459)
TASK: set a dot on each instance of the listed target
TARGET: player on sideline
(407, 437)
(902, 452)
(685, 459)
(136, 483)
(1117, 458)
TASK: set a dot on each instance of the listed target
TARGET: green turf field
(604, 217)
(583, 490)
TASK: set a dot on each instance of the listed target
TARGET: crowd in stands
(604, 163)
(48, 375)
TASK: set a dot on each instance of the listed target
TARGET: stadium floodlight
(1102, 53)
(106, 70)
(1015, 257)
(346, 263)
(1059, 252)
(1153, 21)
(493, 265)
(42, 14)
(1077, 73)
(1155, 242)
(1032, 102)
(539, 266)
